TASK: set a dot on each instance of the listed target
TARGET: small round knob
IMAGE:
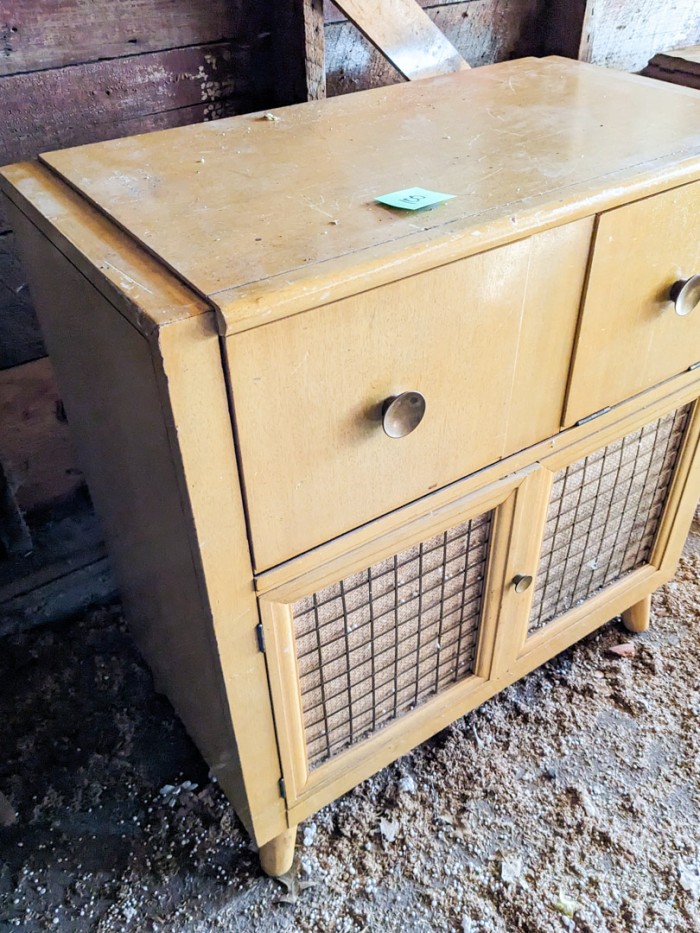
(522, 582)
(685, 295)
(402, 414)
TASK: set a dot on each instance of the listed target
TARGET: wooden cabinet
(632, 335)
(360, 469)
(469, 336)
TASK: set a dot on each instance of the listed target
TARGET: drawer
(631, 335)
(487, 342)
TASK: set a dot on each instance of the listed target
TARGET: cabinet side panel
(134, 407)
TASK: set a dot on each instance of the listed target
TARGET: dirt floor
(569, 802)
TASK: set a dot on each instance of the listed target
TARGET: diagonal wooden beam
(404, 33)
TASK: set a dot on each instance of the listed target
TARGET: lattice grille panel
(373, 646)
(603, 516)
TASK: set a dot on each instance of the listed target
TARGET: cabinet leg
(277, 855)
(636, 618)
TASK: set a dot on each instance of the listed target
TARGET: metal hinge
(596, 414)
(283, 789)
(260, 635)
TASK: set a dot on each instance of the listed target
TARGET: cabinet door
(631, 337)
(612, 527)
(486, 340)
(371, 653)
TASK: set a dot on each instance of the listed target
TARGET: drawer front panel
(375, 645)
(631, 337)
(470, 337)
(603, 517)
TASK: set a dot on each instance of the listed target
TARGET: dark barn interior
(543, 809)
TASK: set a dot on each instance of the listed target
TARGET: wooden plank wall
(72, 73)
(483, 31)
(626, 34)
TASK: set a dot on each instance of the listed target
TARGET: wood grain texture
(570, 445)
(148, 417)
(630, 336)
(277, 855)
(406, 36)
(510, 663)
(679, 67)
(36, 448)
(308, 391)
(42, 34)
(627, 33)
(332, 13)
(522, 145)
(131, 280)
(20, 336)
(482, 31)
(83, 103)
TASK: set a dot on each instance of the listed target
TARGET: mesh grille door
(604, 515)
(376, 644)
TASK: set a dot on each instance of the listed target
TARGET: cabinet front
(372, 650)
(641, 316)
(375, 652)
(610, 508)
(348, 411)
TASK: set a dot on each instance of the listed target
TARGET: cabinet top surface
(246, 207)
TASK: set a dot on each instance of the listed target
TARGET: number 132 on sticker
(413, 199)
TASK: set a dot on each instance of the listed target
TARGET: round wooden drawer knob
(522, 582)
(402, 414)
(686, 295)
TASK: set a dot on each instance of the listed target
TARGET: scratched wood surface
(482, 31)
(627, 33)
(72, 73)
(101, 100)
(41, 34)
(501, 139)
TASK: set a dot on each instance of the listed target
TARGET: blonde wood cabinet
(360, 469)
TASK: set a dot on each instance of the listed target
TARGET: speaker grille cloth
(378, 643)
(603, 516)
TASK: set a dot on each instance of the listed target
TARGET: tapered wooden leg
(636, 618)
(277, 855)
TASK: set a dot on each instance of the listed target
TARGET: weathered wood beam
(105, 99)
(41, 34)
(681, 66)
(404, 33)
(625, 34)
(483, 31)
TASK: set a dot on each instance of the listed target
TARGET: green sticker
(413, 199)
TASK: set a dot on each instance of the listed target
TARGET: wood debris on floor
(569, 802)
